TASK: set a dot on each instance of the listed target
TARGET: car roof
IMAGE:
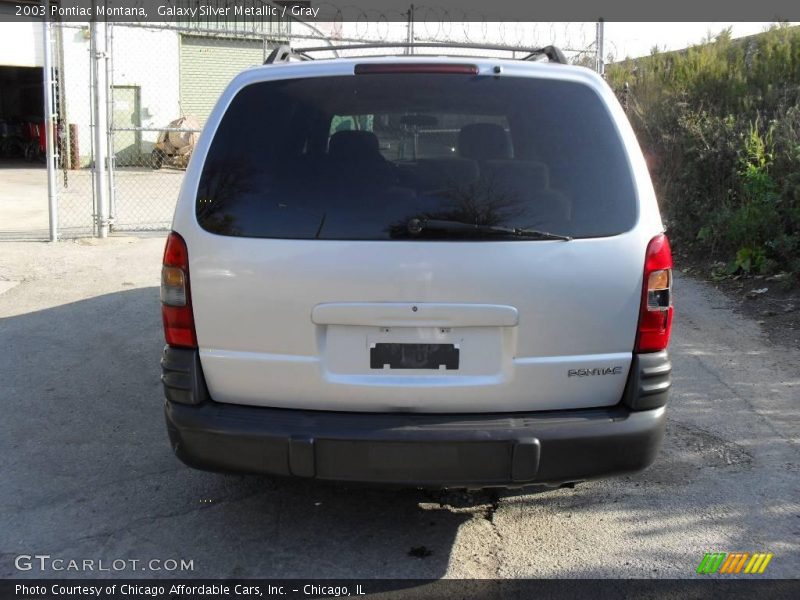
(487, 66)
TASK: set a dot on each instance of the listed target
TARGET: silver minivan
(428, 271)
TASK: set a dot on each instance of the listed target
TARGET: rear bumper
(424, 450)
(431, 450)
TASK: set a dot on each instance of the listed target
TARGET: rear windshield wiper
(416, 226)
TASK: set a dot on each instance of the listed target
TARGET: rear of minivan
(420, 271)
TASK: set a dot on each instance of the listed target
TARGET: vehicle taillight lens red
(176, 297)
(655, 314)
(376, 68)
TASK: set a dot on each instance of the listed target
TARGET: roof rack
(286, 53)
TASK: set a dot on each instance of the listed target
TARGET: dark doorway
(22, 135)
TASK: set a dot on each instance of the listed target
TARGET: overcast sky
(636, 39)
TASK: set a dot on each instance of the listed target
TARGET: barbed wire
(440, 26)
(346, 23)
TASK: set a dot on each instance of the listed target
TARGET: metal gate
(73, 166)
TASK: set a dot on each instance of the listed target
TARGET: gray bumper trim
(425, 450)
(649, 381)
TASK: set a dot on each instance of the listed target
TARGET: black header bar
(171, 11)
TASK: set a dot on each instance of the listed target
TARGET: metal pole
(410, 30)
(49, 126)
(413, 33)
(100, 125)
(93, 165)
(112, 159)
(600, 61)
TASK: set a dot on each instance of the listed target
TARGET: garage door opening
(22, 132)
(23, 164)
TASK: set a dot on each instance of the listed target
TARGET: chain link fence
(163, 80)
(75, 148)
(159, 103)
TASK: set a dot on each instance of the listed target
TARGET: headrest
(354, 145)
(483, 141)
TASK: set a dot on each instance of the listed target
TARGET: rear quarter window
(359, 157)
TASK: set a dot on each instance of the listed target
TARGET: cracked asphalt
(88, 473)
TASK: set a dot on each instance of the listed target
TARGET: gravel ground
(88, 472)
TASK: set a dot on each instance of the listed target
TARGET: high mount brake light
(445, 68)
(655, 313)
(176, 297)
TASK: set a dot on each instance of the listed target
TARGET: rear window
(360, 157)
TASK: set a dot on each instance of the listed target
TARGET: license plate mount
(414, 356)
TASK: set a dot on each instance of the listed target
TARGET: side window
(413, 136)
(351, 123)
(440, 137)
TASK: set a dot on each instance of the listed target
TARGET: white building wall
(21, 44)
(147, 58)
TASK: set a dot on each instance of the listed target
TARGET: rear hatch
(415, 241)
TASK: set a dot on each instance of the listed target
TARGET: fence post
(600, 65)
(109, 108)
(99, 56)
(410, 30)
(49, 125)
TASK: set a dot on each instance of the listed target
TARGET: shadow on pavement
(92, 474)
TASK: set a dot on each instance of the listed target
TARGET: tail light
(655, 314)
(176, 297)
